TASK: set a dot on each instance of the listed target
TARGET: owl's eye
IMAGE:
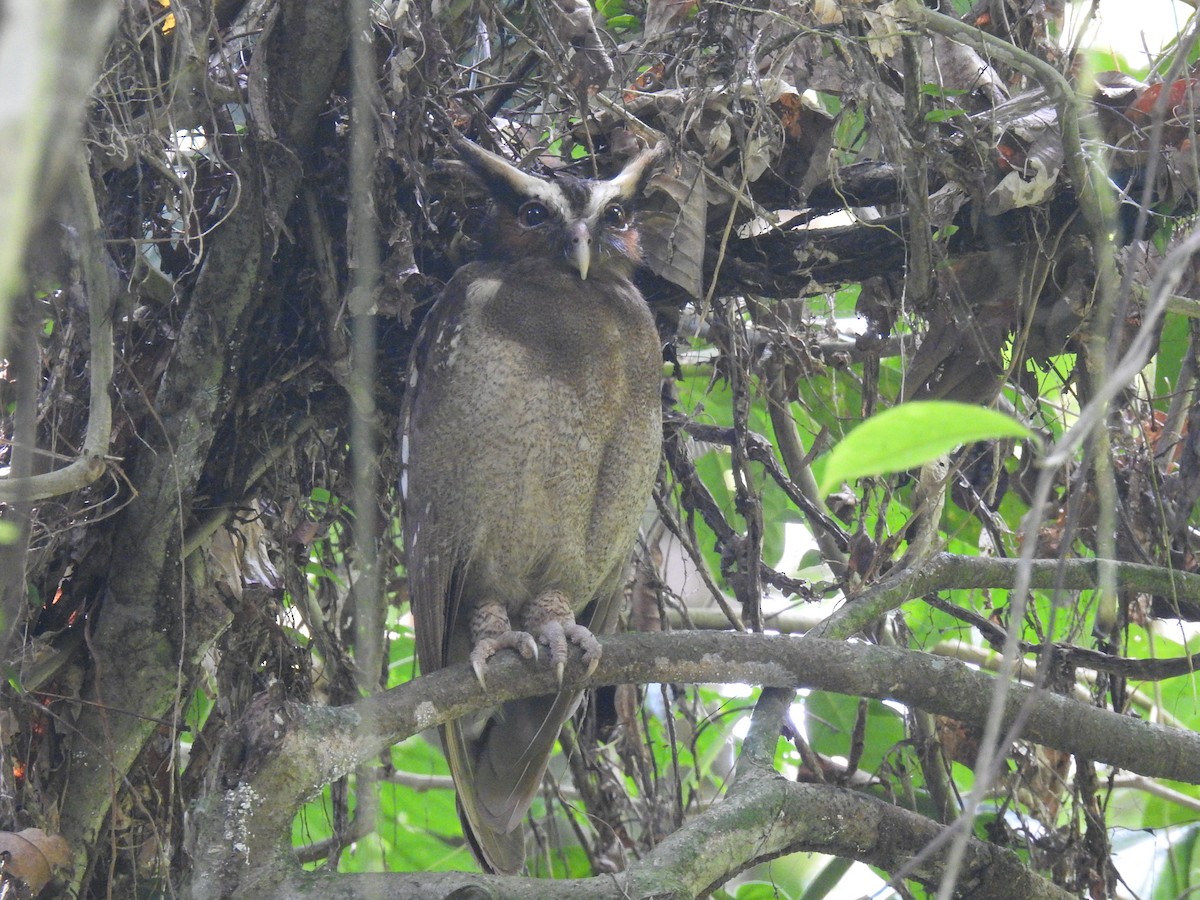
(532, 213)
(614, 215)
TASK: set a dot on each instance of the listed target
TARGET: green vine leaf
(910, 435)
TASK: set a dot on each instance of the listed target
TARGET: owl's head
(582, 224)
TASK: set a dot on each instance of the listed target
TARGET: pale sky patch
(1129, 28)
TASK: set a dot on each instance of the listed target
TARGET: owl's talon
(487, 647)
(554, 637)
(558, 635)
(479, 665)
(586, 641)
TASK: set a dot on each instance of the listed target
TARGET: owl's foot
(549, 616)
(556, 636)
(490, 633)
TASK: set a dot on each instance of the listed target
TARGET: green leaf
(1172, 347)
(910, 435)
(9, 532)
(936, 90)
(830, 720)
(1176, 862)
(941, 115)
(759, 890)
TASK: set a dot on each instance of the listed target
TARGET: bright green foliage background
(1154, 836)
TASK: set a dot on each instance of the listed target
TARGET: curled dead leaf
(33, 856)
(673, 234)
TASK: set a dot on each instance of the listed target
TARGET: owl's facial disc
(588, 220)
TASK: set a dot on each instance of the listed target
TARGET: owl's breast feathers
(538, 399)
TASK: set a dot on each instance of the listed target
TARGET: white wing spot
(446, 345)
(483, 290)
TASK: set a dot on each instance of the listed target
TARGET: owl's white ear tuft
(504, 180)
(630, 180)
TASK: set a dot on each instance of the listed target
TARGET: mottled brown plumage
(530, 442)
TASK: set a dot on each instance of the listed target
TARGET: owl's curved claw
(553, 635)
(557, 635)
(479, 665)
(486, 648)
(586, 641)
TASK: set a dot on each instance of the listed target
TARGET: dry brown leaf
(673, 235)
(34, 855)
(240, 554)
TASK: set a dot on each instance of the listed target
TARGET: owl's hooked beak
(579, 248)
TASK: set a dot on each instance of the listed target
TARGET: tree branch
(99, 285)
(946, 571)
(48, 62)
(289, 751)
(764, 819)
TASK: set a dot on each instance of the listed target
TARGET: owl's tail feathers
(498, 775)
(498, 852)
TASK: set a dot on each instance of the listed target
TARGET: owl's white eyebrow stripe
(602, 194)
(586, 199)
(576, 196)
(550, 194)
